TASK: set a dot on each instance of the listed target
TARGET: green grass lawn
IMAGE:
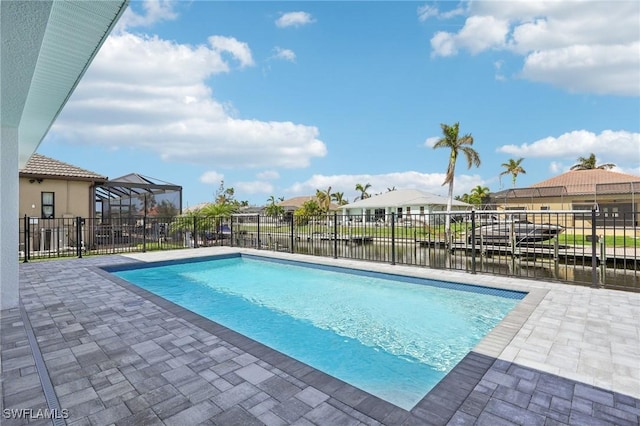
(154, 245)
(401, 231)
(609, 240)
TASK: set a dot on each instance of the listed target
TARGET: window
(48, 204)
(422, 210)
(544, 207)
(587, 207)
(379, 214)
(399, 212)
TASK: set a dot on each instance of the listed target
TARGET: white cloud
(150, 93)
(427, 11)
(431, 141)
(556, 167)
(253, 187)
(602, 69)
(212, 177)
(443, 44)
(286, 54)
(294, 19)
(428, 182)
(153, 11)
(581, 46)
(580, 143)
(481, 33)
(237, 49)
(268, 175)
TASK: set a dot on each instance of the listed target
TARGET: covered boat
(519, 231)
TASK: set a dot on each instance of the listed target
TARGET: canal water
(572, 270)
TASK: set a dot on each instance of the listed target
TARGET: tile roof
(297, 202)
(40, 165)
(579, 182)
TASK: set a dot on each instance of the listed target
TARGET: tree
(589, 163)
(393, 188)
(452, 141)
(219, 210)
(338, 197)
(309, 209)
(225, 195)
(465, 198)
(273, 209)
(478, 195)
(324, 199)
(167, 209)
(363, 190)
(513, 168)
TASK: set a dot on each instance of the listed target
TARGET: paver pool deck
(108, 352)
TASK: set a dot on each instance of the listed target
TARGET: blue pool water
(392, 338)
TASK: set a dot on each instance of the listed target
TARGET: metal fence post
(393, 238)
(291, 235)
(473, 241)
(594, 245)
(195, 232)
(335, 235)
(27, 249)
(144, 233)
(231, 231)
(258, 240)
(79, 237)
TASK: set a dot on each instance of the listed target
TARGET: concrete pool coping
(519, 371)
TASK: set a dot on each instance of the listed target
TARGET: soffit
(46, 48)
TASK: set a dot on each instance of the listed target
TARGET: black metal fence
(569, 246)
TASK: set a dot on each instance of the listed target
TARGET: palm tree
(324, 199)
(393, 188)
(513, 168)
(589, 163)
(456, 144)
(465, 198)
(363, 190)
(478, 195)
(273, 209)
(338, 197)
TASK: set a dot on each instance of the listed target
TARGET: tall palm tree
(363, 190)
(452, 141)
(338, 197)
(513, 168)
(589, 163)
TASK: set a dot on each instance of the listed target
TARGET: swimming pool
(393, 336)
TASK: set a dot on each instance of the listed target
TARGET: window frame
(44, 205)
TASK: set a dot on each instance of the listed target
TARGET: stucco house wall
(71, 198)
(72, 188)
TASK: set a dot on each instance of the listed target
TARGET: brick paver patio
(115, 354)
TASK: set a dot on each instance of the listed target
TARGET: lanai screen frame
(121, 189)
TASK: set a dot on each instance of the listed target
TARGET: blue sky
(283, 98)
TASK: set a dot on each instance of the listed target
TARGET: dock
(583, 253)
(355, 239)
